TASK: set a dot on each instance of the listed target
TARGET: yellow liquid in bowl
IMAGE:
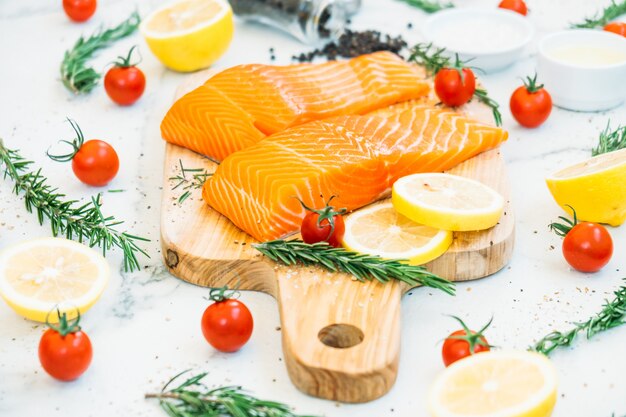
(588, 55)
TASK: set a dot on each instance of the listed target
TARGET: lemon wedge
(596, 188)
(40, 274)
(447, 202)
(380, 230)
(496, 384)
(189, 35)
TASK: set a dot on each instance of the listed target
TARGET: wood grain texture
(321, 313)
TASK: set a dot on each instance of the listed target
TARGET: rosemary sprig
(196, 180)
(610, 140)
(363, 267)
(192, 399)
(434, 59)
(75, 74)
(83, 222)
(613, 314)
(613, 11)
(429, 6)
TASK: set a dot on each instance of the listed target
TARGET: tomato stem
(124, 62)
(472, 338)
(223, 293)
(65, 326)
(76, 144)
(531, 84)
(562, 229)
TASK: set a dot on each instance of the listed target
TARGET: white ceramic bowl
(582, 86)
(492, 38)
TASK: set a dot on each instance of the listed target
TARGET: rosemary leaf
(613, 314)
(196, 180)
(610, 140)
(611, 12)
(429, 6)
(193, 399)
(363, 267)
(85, 223)
(75, 75)
(434, 59)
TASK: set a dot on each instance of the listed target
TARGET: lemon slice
(596, 188)
(189, 35)
(38, 275)
(447, 202)
(496, 384)
(380, 230)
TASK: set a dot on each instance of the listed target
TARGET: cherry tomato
(452, 90)
(227, 323)
(516, 5)
(65, 351)
(124, 83)
(325, 225)
(588, 247)
(463, 343)
(531, 104)
(616, 27)
(79, 10)
(94, 162)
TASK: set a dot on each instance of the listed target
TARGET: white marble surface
(146, 326)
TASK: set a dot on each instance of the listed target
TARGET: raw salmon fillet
(356, 158)
(242, 105)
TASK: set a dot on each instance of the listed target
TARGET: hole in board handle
(341, 336)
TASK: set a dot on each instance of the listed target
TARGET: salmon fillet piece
(356, 158)
(242, 105)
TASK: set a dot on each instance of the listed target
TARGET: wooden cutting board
(341, 337)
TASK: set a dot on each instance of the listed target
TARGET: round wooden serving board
(341, 337)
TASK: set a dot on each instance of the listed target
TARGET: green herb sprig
(610, 140)
(75, 74)
(433, 59)
(613, 314)
(192, 399)
(363, 267)
(196, 179)
(613, 11)
(429, 6)
(85, 222)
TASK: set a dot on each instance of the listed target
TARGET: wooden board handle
(341, 338)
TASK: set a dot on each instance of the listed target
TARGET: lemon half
(596, 188)
(189, 35)
(380, 230)
(38, 275)
(447, 202)
(496, 384)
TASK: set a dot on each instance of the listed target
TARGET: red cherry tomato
(94, 162)
(124, 83)
(588, 247)
(452, 90)
(463, 343)
(325, 225)
(226, 324)
(79, 10)
(65, 351)
(531, 104)
(516, 5)
(616, 27)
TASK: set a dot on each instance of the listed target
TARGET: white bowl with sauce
(583, 69)
(491, 38)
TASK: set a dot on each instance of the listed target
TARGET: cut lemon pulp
(496, 384)
(38, 275)
(189, 35)
(380, 230)
(447, 202)
(596, 188)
